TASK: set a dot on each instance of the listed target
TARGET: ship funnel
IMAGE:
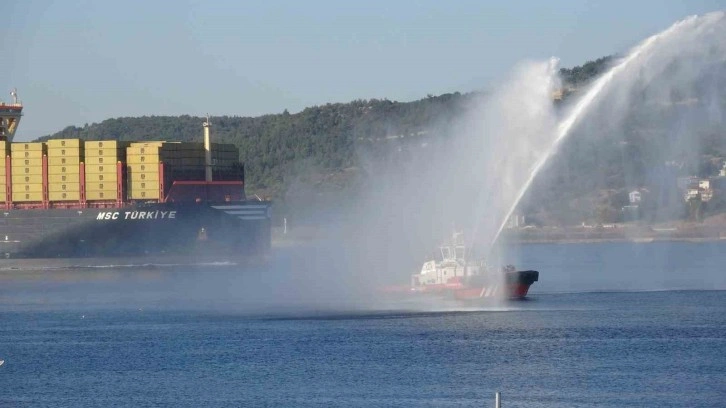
(207, 151)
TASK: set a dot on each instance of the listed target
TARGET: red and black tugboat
(456, 276)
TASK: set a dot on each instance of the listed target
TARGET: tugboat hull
(515, 286)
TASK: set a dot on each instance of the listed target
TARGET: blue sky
(77, 62)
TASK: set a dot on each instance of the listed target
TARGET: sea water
(160, 336)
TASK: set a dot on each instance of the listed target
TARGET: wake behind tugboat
(457, 276)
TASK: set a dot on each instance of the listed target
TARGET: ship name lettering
(136, 215)
(149, 215)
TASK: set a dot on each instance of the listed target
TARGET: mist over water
(470, 176)
(684, 65)
(673, 63)
(461, 179)
(312, 329)
(467, 176)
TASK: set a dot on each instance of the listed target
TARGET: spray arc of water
(586, 101)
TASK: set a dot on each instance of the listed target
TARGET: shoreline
(633, 234)
(610, 240)
(557, 235)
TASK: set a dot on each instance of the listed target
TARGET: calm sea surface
(608, 325)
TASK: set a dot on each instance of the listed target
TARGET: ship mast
(10, 117)
(207, 151)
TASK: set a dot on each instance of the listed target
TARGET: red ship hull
(513, 285)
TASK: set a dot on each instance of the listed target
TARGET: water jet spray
(704, 24)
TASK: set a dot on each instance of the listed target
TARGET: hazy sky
(76, 62)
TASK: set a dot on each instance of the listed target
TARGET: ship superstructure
(10, 114)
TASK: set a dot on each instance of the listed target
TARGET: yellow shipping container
(143, 150)
(101, 177)
(53, 143)
(27, 154)
(27, 178)
(142, 159)
(65, 152)
(101, 160)
(99, 195)
(98, 169)
(139, 194)
(149, 143)
(25, 170)
(18, 162)
(64, 196)
(27, 188)
(143, 185)
(19, 147)
(67, 169)
(60, 187)
(143, 176)
(111, 152)
(27, 197)
(142, 168)
(100, 186)
(105, 144)
(64, 161)
(63, 178)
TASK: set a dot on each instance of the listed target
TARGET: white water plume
(473, 175)
(475, 164)
(502, 135)
(692, 39)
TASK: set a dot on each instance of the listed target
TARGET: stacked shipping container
(102, 183)
(64, 166)
(186, 160)
(98, 171)
(142, 169)
(27, 171)
(225, 162)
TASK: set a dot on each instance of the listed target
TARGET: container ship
(70, 198)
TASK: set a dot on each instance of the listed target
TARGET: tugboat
(467, 280)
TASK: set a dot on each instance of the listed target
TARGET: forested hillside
(322, 144)
(272, 146)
